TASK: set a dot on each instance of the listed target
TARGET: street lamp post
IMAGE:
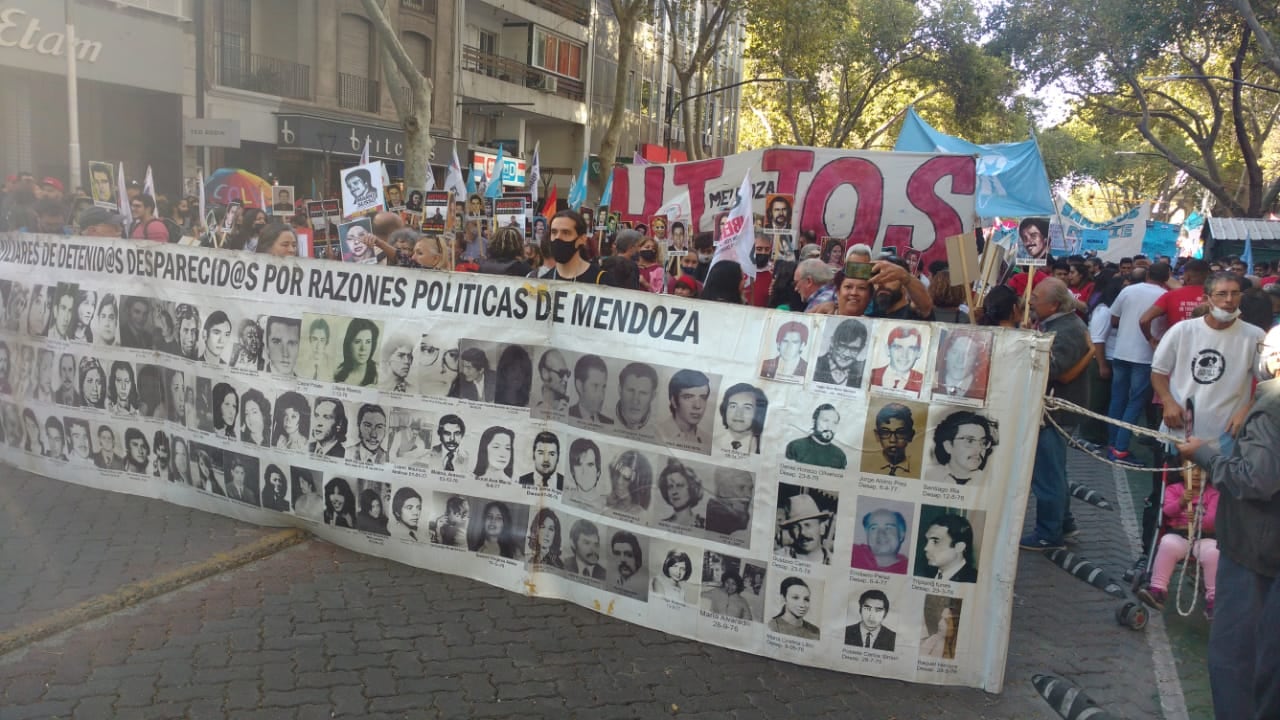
(671, 110)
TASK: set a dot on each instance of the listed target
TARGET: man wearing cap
(805, 529)
(50, 189)
(101, 222)
(789, 363)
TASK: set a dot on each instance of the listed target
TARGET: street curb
(138, 592)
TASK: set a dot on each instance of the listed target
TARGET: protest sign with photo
(356, 241)
(435, 211)
(282, 198)
(102, 184)
(362, 189)
(510, 212)
(691, 463)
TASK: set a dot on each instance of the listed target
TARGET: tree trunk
(687, 115)
(413, 111)
(628, 14)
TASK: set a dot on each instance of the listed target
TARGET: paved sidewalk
(318, 632)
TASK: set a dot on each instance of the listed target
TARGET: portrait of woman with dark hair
(86, 305)
(307, 501)
(795, 605)
(631, 480)
(275, 489)
(492, 533)
(205, 476)
(93, 382)
(255, 412)
(545, 539)
(371, 518)
(677, 568)
(495, 462)
(358, 346)
(339, 504)
(942, 622)
(515, 377)
(226, 407)
(46, 371)
(681, 489)
(122, 391)
(34, 439)
(38, 310)
(833, 252)
(292, 422)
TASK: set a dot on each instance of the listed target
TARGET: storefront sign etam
(24, 32)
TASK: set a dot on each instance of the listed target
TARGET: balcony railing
(516, 72)
(260, 73)
(566, 9)
(359, 93)
(423, 6)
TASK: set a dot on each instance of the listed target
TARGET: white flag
(430, 181)
(364, 154)
(149, 185)
(200, 192)
(738, 234)
(677, 207)
(535, 171)
(122, 199)
(454, 180)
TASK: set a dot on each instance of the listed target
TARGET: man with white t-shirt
(1131, 362)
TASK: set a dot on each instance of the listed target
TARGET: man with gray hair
(627, 243)
(858, 252)
(813, 282)
(1052, 304)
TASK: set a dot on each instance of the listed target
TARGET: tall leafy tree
(627, 14)
(697, 32)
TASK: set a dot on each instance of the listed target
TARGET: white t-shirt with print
(1214, 368)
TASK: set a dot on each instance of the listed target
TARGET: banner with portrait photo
(362, 190)
(822, 490)
(435, 211)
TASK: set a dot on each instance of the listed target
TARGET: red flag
(549, 209)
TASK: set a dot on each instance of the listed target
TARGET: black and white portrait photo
(546, 463)
(410, 436)
(806, 524)
(784, 349)
(843, 357)
(723, 587)
(683, 498)
(355, 242)
(637, 386)
(495, 457)
(206, 469)
(870, 631)
(217, 339)
(63, 325)
(963, 365)
(397, 364)
(742, 412)
(729, 509)
(328, 428)
(630, 575)
(630, 477)
(361, 189)
(282, 198)
(552, 399)
(369, 444)
(686, 424)
(189, 331)
(961, 443)
(135, 322)
(241, 473)
(893, 439)
(584, 486)
(275, 489)
(255, 418)
(819, 447)
(291, 422)
(406, 515)
(306, 486)
(675, 571)
(282, 340)
(180, 460)
(498, 529)
(590, 384)
(477, 379)
(247, 346)
(339, 503)
(546, 540)
(225, 407)
(583, 560)
(796, 599)
(79, 441)
(451, 519)
(372, 499)
(449, 454)
(941, 627)
(947, 547)
(414, 200)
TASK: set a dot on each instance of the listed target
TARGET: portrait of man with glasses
(963, 443)
(891, 445)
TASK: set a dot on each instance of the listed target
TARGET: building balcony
(518, 73)
(260, 73)
(565, 9)
(359, 93)
(427, 7)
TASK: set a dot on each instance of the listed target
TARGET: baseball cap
(100, 216)
(52, 182)
(690, 283)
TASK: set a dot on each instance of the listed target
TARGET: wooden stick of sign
(1026, 297)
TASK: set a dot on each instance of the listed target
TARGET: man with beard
(779, 213)
(188, 332)
(885, 531)
(870, 632)
(899, 294)
(66, 393)
(448, 455)
(584, 539)
(283, 338)
(948, 550)
(636, 385)
(546, 458)
(633, 575)
(328, 428)
(962, 444)
(137, 451)
(905, 347)
(687, 395)
(398, 362)
(371, 424)
(817, 447)
(590, 379)
(217, 328)
(106, 457)
(843, 362)
(895, 430)
(135, 331)
(742, 412)
(807, 527)
(180, 468)
(729, 512)
(55, 445)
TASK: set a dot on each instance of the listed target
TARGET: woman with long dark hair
(495, 460)
(292, 422)
(122, 392)
(545, 539)
(371, 518)
(255, 413)
(358, 347)
(491, 533)
(724, 283)
(339, 504)
(790, 620)
(226, 407)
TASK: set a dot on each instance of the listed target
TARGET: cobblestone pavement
(318, 631)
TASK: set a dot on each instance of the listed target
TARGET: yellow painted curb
(134, 593)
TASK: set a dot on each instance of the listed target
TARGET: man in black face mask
(569, 246)
(704, 245)
(762, 256)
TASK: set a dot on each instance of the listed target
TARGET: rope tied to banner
(1052, 403)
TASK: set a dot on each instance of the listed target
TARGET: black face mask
(761, 260)
(563, 250)
(648, 255)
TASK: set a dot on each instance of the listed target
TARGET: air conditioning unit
(549, 83)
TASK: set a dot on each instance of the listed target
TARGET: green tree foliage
(863, 62)
(1115, 59)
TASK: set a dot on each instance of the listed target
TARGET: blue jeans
(1244, 644)
(1130, 395)
(1049, 485)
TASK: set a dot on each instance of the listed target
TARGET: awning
(1256, 229)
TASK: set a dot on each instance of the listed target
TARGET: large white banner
(837, 492)
(902, 200)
